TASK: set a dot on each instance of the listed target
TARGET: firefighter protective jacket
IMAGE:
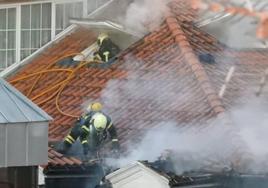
(86, 132)
(107, 50)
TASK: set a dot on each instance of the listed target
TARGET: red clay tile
(170, 50)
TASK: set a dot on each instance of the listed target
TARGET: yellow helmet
(96, 107)
(101, 37)
(99, 121)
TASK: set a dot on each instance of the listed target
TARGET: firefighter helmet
(101, 37)
(99, 121)
(96, 107)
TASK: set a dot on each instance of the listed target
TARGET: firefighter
(77, 129)
(96, 130)
(107, 49)
(82, 128)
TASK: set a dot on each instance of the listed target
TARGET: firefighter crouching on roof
(107, 49)
(92, 129)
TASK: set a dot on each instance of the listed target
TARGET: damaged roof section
(144, 174)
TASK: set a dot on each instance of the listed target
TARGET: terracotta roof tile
(166, 59)
(55, 158)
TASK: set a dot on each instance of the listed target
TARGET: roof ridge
(191, 59)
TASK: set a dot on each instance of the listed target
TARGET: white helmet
(99, 121)
(101, 38)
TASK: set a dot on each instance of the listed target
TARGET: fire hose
(60, 86)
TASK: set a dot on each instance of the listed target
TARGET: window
(94, 4)
(7, 37)
(65, 12)
(91, 5)
(35, 27)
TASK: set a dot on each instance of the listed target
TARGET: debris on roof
(83, 175)
(144, 174)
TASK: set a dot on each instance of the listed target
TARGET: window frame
(64, 4)
(53, 3)
(7, 30)
(40, 30)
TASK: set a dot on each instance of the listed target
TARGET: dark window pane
(91, 6)
(25, 39)
(72, 10)
(2, 18)
(24, 54)
(35, 39)
(25, 16)
(77, 10)
(58, 31)
(33, 50)
(11, 57)
(46, 15)
(11, 40)
(11, 18)
(36, 16)
(101, 2)
(59, 16)
(2, 59)
(46, 36)
(68, 14)
(3, 39)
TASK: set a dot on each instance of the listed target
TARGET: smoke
(144, 15)
(234, 140)
(194, 143)
(252, 122)
(191, 148)
(239, 143)
(228, 28)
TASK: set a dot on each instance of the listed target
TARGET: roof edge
(193, 62)
(27, 101)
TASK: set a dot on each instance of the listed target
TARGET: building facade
(26, 26)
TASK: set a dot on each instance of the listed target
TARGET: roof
(226, 26)
(225, 178)
(15, 107)
(158, 79)
(124, 176)
(57, 159)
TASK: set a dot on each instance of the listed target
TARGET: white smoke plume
(145, 15)
(227, 29)
(192, 148)
(252, 122)
(241, 145)
(237, 139)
